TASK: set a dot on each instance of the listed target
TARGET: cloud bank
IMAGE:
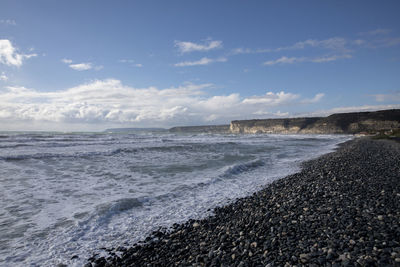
(109, 102)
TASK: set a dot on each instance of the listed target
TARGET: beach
(341, 209)
(66, 196)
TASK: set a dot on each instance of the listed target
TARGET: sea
(67, 196)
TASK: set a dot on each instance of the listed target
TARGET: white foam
(111, 190)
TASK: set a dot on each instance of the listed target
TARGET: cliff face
(344, 123)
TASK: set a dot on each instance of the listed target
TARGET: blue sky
(90, 65)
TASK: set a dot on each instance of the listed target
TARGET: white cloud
(186, 47)
(8, 22)
(81, 66)
(338, 47)
(241, 50)
(131, 61)
(377, 32)
(238, 51)
(126, 60)
(388, 42)
(109, 102)
(363, 108)
(66, 61)
(202, 61)
(10, 56)
(292, 60)
(381, 42)
(315, 99)
(392, 97)
(271, 114)
(3, 77)
(358, 42)
(335, 44)
(100, 67)
(329, 58)
(272, 99)
(284, 60)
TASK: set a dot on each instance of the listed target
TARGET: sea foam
(72, 194)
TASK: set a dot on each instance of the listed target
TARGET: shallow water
(71, 194)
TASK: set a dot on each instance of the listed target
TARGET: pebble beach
(341, 209)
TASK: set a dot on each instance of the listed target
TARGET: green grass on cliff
(392, 135)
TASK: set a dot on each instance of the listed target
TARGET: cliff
(201, 129)
(341, 123)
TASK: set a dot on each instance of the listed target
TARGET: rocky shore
(342, 209)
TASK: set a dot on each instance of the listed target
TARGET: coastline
(340, 209)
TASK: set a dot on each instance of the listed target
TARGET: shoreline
(342, 208)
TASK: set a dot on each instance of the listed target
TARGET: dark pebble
(342, 209)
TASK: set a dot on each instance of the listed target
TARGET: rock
(211, 254)
(342, 257)
(321, 260)
(275, 226)
(199, 258)
(304, 257)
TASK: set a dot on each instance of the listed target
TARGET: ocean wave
(14, 145)
(237, 169)
(103, 213)
(124, 150)
(120, 205)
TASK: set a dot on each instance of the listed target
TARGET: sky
(91, 65)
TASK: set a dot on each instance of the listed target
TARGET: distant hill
(340, 123)
(201, 129)
(127, 130)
